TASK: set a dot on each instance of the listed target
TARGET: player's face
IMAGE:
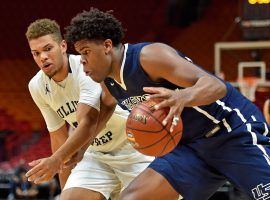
(48, 54)
(95, 57)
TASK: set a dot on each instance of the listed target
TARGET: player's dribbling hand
(167, 98)
(43, 169)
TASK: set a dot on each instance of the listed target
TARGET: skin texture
(51, 58)
(101, 59)
(266, 111)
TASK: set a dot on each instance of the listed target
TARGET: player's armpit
(107, 107)
(106, 97)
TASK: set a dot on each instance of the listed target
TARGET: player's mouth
(46, 66)
(88, 73)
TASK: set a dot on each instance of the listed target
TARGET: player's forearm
(63, 176)
(207, 90)
(81, 136)
(104, 115)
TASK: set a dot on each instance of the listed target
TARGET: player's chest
(65, 98)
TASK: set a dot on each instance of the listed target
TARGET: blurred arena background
(195, 27)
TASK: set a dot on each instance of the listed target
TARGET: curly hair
(94, 25)
(42, 27)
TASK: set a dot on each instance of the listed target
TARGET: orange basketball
(146, 133)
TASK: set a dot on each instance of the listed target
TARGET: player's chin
(96, 78)
(50, 74)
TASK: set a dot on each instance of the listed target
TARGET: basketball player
(224, 136)
(63, 94)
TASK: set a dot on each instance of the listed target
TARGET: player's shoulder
(74, 58)
(37, 80)
(75, 63)
(156, 47)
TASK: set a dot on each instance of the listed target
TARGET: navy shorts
(198, 168)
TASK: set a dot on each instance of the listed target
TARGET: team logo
(131, 102)
(47, 89)
(139, 118)
(132, 140)
(261, 192)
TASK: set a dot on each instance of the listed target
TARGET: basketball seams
(153, 142)
(171, 139)
(154, 118)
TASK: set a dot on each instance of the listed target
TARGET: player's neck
(117, 62)
(63, 72)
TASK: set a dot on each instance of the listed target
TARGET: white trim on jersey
(253, 118)
(206, 114)
(228, 127)
(122, 67)
(255, 142)
(122, 84)
(248, 125)
(222, 104)
(266, 129)
(240, 115)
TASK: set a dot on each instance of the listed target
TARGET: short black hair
(94, 25)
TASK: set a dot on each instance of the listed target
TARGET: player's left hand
(167, 98)
(43, 169)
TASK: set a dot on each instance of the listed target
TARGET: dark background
(191, 26)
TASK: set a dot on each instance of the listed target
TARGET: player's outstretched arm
(45, 169)
(57, 138)
(200, 87)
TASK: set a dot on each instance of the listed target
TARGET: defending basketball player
(63, 94)
(225, 136)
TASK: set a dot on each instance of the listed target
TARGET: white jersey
(58, 101)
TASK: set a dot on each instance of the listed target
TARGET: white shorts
(108, 173)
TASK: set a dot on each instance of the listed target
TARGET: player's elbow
(220, 89)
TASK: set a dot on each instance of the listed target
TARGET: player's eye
(35, 54)
(84, 53)
(48, 48)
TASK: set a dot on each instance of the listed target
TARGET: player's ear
(63, 45)
(108, 45)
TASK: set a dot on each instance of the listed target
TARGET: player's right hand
(77, 157)
(168, 98)
(43, 169)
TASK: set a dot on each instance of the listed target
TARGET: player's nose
(43, 56)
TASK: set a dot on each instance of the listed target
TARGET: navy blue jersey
(229, 112)
(238, 149)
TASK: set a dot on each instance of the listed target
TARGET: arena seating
(21, 124)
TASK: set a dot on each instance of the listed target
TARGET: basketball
(146, 133)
